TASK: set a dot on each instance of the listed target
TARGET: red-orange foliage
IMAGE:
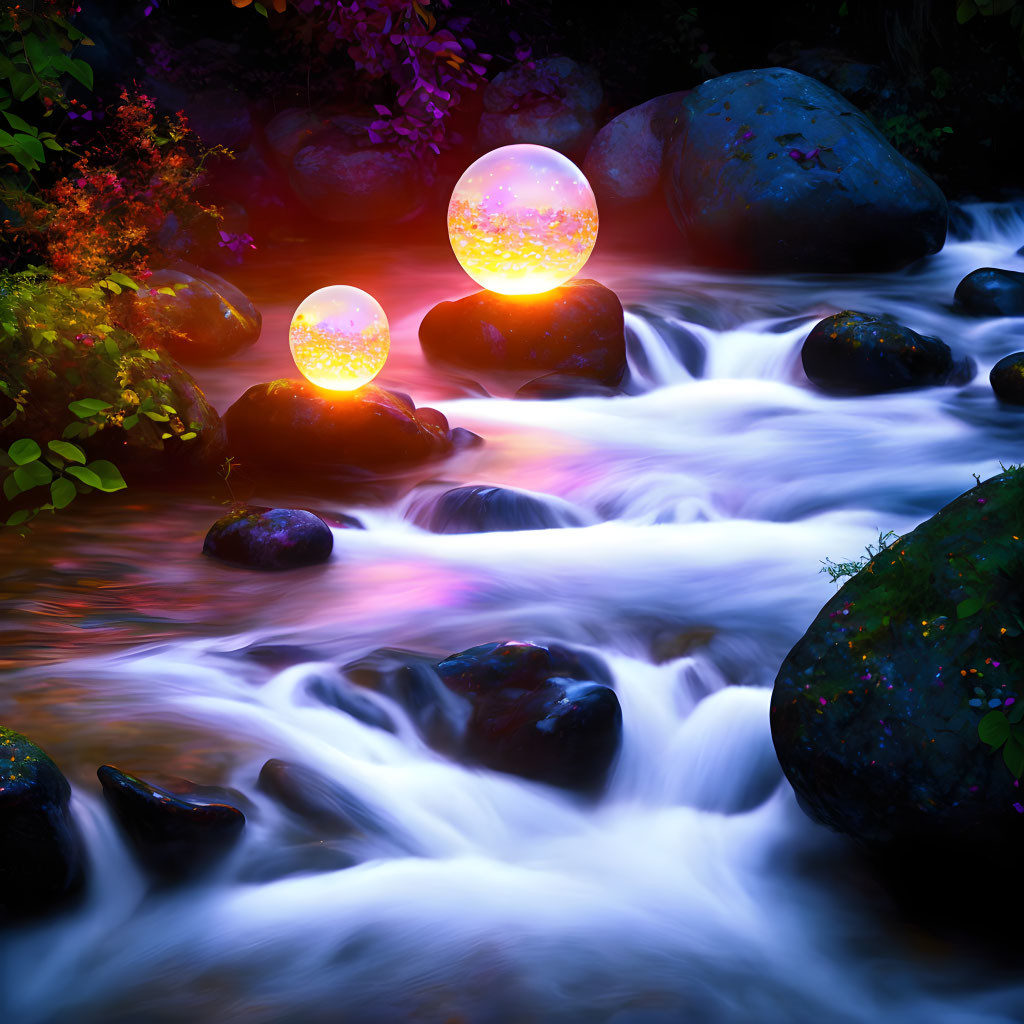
(104, 216)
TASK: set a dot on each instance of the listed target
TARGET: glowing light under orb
(339, 337)
(522, 219)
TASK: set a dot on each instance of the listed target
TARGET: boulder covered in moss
(41, 852)
(865, 354)
(896, 716)
(292, 429)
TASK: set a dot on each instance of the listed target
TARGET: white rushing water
(695, 890)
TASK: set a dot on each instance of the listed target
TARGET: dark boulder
(174, 837)
(205, 319)
(290, 428)
(270, 538)
(544, 713)
(860, 353)
(484, 509)
(771, 170)
(41, 852)
(989, 291)
(624, 162)
(878, 711)
(576, 330)
(342, 176)
(343, 696)
(1007, 379)
(549, 102)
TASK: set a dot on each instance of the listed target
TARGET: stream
(695, 889)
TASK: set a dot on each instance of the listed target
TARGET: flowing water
(695, 889)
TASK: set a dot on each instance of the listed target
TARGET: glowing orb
(339, 337)
(523, 219)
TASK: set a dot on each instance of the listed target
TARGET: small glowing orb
(339, 337)
(523, 219)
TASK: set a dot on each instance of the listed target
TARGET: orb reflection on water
(522, 220)
(339, 337)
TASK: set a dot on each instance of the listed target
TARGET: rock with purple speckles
(270, 538)
(772, 170)
(41, 852)
(897, 716)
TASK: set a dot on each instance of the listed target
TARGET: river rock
(341, 176)
(624, 162)
(876, 710)
(290, 428)
(772, 170)
(206, 318)
(481, 509)
(576, 330)
(860, 353)
(990, 291)
(289, 131)
(270, 538)
(41, 852)
(550, 102)
(174, 837)
(343, 696)
(1007, 379)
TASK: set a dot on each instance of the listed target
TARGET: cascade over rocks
(771, 170)
(876, 710)
(860, 353)
(270, 538)
(41, 852)
(575, 331)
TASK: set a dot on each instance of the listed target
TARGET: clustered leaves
(430, 67)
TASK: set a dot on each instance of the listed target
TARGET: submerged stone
(270, 538)
(771, 170)
(481, 509)
(174, 837)
(292, 429)
(897, 716)
(861, 353)
(41, 851)
(577, 330)
(990, 291)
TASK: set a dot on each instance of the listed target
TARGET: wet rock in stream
(480, 509)
(269, 538)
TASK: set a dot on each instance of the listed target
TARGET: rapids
(695, 890)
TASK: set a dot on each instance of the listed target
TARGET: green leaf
(965, 11)
(165, 291)
(23, 86)
(994, 729)
(81, 70)
(68, 451)
(1013, 755)
(1016, 712)
(123, 279)
(108, 475)
(189, 435)
(111, 286)
(18, 518)
(11, 488)
(130, 421)
(157, 417)
(86, 475)
(73, 430)
(86, 407)
(35, 474)
(169, 409)
(53, 144)
(20, 125)
(969, 607)
(24, 451)
(62, 492)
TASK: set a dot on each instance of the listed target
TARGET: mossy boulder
(876, 711)
(41, 852)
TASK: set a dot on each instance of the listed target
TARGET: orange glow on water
(339, 338)
(522, 220)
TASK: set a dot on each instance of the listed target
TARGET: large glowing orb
(339, 337)
(523, 219)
